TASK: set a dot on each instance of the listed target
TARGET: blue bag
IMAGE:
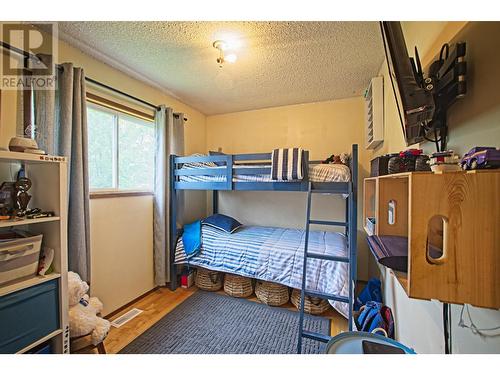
(376, 317)
(371, 292)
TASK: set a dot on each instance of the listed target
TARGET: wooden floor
(160, 302)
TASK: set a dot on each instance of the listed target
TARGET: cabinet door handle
(444, 256)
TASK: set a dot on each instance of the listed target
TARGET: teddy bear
(83, 311)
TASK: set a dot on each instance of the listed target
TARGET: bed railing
(232, 165)
(178, 161)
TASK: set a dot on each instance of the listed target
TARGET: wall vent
(374, 112)
(125, 318)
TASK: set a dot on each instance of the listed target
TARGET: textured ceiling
(279, 63)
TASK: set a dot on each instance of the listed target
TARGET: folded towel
(287, 164)
(191, 238)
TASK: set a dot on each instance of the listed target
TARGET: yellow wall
(323, 128)
(473, 120)
(121, 228)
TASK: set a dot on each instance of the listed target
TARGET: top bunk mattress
(317, 173)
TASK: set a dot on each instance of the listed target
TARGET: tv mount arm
(446, 81)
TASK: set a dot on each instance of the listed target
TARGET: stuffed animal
(344, 158)
(329, 160)
(83, 311)
(337, 159)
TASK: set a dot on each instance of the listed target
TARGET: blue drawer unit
(28, 315)
(45, 348)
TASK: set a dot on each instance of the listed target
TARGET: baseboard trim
(126, 306)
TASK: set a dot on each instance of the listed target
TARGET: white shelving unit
(50, 336)
(374, 113)
(49, 176)
(12, 223)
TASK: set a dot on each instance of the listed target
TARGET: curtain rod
(103, 85)
(28, 55)
(107, 87)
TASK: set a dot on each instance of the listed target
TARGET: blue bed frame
(231, 168)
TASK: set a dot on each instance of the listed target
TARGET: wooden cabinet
(452, 222)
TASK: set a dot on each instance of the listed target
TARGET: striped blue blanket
(274, 254)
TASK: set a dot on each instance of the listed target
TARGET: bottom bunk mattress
(275, 254)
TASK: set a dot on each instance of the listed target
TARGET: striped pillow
(286, 164)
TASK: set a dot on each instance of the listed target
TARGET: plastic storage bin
(28, 315)
(19, 256)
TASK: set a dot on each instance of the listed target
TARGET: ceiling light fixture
(222, 46)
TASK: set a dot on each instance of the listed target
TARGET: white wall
(418, 323)
(122, 249)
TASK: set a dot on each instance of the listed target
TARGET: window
(121, 150)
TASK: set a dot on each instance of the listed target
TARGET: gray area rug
(211, 323)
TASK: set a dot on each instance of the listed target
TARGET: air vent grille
(125, 318)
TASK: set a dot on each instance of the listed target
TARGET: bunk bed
(327, 259)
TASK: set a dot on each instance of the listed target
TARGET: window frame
(115, 191)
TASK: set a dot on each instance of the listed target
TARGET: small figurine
(39, 214)
(444, 161)
(23, 184)
(480, 158)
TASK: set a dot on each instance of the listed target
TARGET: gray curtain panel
(177, 147)
(169, 140)
(62, 130)
(45, 115)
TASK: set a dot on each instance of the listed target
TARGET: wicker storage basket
(238, 286)
(271, 294)
(312, 305)
(208, 280)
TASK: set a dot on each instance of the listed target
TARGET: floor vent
(125, 318)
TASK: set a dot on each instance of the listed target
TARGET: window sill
(119, 194)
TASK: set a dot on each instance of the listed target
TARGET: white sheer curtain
(169, 140)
